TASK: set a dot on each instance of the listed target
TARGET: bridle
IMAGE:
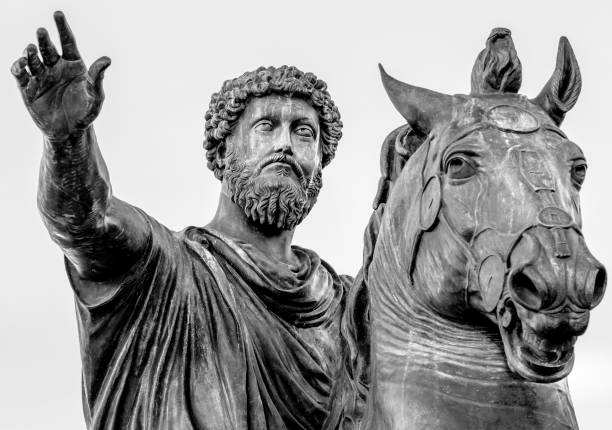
(491, 267)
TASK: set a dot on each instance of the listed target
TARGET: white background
(168, 59)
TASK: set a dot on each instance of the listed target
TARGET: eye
(578, 171)
(458, 167)
(304, 131)
(263, 125)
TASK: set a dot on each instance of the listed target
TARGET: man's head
(268, 135)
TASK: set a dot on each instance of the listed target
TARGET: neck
(231, 220)
(429, 371)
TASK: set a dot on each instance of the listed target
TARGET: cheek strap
(429, 202)
(491, 271)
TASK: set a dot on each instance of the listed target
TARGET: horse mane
(351, 389)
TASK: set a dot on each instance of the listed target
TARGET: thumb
(96, 72)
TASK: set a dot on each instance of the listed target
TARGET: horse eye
(459, 168)
(579, 173)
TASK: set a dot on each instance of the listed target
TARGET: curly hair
(227, 105)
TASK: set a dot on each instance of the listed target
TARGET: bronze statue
(476, 279)
(228, 326)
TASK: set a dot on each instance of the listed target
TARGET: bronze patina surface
(475, 284)
(227, 326)
(476, 279)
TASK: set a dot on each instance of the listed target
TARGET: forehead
(499, 124)
(543, 141)
(282, 107)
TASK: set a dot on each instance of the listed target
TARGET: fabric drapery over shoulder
(209, 333)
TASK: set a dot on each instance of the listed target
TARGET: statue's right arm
(100, 235)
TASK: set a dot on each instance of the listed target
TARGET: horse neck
(405, 326)
(429, 371)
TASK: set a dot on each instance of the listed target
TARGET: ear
(220, 158)
(421, 108)
(216, 157)
(561, 91)
(388, 156)
(407, 141)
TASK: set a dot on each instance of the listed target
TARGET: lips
(279, 163)
(281, 159)
(542, 358)
(281, 168)
(531, 355)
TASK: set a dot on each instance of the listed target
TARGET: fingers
(34, 63)
(19, 71)
(96, 71)
(47, 48)
(69, 48)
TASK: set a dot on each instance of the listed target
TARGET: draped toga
(206, 332)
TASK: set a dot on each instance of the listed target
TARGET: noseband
(491, 267)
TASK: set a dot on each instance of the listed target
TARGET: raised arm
(100, 235)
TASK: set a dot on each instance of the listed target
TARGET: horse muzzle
(553, 282)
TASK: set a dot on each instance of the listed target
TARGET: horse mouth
(530, 355)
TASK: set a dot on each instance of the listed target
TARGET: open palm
(61, 95)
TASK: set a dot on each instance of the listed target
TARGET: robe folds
(206, 332)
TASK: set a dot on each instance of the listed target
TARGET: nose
(283, 143)
(541, 280)
(526, 292)
(594, 287)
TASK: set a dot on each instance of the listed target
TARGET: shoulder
(345, 280)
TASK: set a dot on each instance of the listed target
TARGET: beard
(274, 202)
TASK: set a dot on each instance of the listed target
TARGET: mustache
(282, 158)
(278, 205)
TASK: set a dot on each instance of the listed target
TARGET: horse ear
(421, 108)
(561, 91)
(397, 148)
(393, 156)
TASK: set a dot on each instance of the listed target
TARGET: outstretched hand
(61, 95)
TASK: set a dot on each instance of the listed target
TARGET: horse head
(494, 185)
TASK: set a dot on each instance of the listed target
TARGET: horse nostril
(524, 291)
(598, 280)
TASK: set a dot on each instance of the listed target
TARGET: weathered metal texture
(228, 326)
(478, 277)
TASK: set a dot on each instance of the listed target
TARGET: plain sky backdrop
(168, 57)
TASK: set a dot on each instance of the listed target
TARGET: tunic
(206, 332)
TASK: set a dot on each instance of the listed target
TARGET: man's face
(273, 169)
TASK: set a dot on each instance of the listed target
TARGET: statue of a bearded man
(226, 326)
